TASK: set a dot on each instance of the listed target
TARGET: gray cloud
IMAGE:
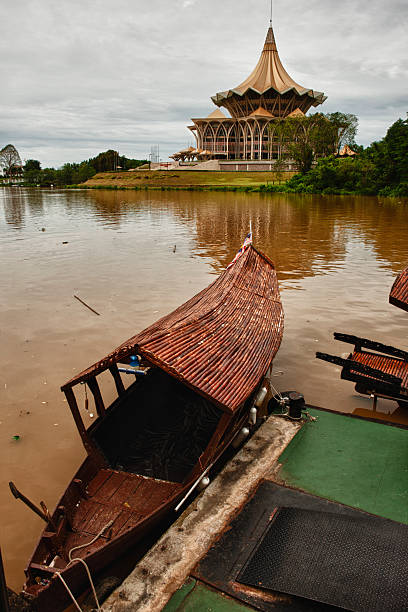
(77, 78)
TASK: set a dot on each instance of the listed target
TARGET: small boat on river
(198, 373)
(382, 370)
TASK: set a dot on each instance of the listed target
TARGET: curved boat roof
(221, 342)
(399, 291)
(269, 73)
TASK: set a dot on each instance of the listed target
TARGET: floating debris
(85, 304)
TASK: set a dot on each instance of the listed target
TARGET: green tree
(48, 177)
(396, 144)
(127, 164)
(104, 162)
(304, 139)
(10, 160)
(345, 128)
(32, 172)
(308, 138)
(32, 164)
(74, 173)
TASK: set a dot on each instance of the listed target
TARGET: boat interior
(152, 438)
(159, 430)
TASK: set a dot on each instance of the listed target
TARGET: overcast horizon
(79, 79)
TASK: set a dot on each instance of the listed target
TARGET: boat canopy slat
(220, 342)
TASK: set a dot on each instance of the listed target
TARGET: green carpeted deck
(194, 596)
(355, 462)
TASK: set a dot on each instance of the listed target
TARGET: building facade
(266, 96)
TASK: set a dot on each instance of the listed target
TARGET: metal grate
(355, 563)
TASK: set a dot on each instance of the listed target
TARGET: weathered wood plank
(109, 488)
(96, 392)
(120, 387)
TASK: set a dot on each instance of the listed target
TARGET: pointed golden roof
(346, 151)
(261, 112)
(269, 74)
(269, 71)
(296, 113)
(216, 114)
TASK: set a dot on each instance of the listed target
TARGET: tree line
(305, 139)
(75, 173)
(379, 169)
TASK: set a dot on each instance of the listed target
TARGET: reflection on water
(15, 203)
(336, 259)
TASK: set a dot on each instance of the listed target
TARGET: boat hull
(54, 596)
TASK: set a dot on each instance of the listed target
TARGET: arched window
(256, 133)
(208, 138)
(265, 142)
(233, 144)
(220, 147)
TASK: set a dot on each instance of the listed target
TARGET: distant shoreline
(200, 181)
(185, 180)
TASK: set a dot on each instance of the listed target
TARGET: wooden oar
(44, 515)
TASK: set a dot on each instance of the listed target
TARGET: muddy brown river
(133, 257)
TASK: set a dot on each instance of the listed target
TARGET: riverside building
(246, 133)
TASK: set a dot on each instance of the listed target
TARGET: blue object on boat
(134, 361)
(135, 372)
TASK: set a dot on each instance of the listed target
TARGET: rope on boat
(90, 582)
(282, 400)
(86, 568)
(91, 542)
(69, 591)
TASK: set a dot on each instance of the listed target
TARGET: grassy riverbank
(188, 180)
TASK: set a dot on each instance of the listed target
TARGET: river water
(135, 256)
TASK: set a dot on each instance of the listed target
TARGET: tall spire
(269, 71)
(270, 43)
(269, 75)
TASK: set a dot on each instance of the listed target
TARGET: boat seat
(383, 373)
(383, 363)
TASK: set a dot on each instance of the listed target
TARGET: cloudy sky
(78, 77)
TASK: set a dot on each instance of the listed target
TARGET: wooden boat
(399, 291)
(380, 371)
(202, 369)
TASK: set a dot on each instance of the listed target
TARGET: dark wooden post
(120, 387)
(4, 600)
(89, 445)
(71, 399)
(96, 392)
